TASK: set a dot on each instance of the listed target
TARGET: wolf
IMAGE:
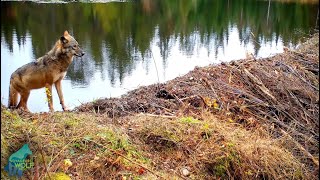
(44, 72)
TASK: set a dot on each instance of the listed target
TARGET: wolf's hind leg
(13, 97)
(24, 100)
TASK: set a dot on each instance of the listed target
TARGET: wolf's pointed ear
(65, 33)
(63, 40)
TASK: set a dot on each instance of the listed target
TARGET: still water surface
(137, 43)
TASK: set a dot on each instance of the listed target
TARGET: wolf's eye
(74, 46)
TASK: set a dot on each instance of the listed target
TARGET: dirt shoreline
(250, 79)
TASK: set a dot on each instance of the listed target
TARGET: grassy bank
(147, 147)
(247, 119)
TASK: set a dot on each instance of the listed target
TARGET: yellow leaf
(58, 176)
(215, 105)
(67, 163)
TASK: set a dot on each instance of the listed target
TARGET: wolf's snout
(80, 54)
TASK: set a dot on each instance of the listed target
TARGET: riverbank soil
(246, 119)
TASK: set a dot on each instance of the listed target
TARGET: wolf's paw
(65, 109)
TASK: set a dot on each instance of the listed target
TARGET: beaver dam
(246, 119)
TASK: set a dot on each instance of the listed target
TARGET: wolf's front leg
(59, 91)
(49, 96)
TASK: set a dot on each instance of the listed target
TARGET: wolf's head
(70, 46)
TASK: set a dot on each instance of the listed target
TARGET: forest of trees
(125, 29)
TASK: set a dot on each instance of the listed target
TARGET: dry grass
(145, 146)
(215, 148)
(91, 143)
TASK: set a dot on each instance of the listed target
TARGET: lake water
(137, 43)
